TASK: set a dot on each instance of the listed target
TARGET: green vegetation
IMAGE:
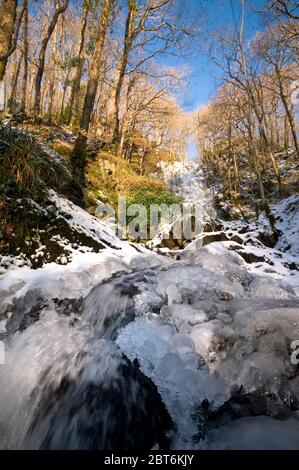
(109, 177)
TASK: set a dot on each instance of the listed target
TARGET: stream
(188, 354)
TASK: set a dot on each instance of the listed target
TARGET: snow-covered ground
(213, 331)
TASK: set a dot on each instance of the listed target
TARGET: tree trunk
(78, 73)
(288, 111)
(25, 60)
(286, 135)
(53, 77)
(78, 158)
(122, 69)
(261, 118)
(59, 9)
(65, 85)
(253, 154)
(8, 11)
(14, 83)
(268, 148)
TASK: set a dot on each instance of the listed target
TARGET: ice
(261, 370)
(166, 332)
(73, 280)
(186, 179)
(294, 390)
(194, 283)
(171, 364)
(256, 433)
(268, 288)
(184, 313)
(218, 259)
(203, 337)
(183, 344)
(253, 352)
(253, 323)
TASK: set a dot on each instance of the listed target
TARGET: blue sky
(205, 74)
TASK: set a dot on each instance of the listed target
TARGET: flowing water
(67, 385)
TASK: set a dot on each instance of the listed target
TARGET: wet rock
(125, 413)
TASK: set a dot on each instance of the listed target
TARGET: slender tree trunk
(288, 111)
(75, 90)
(236, 171)
(53, 76)
(268, 149)
(122, 69)
(65, 85)
(270, 125)
(59, 9)
(252, 148)
(78, 158)
(143, 157)
(258, 107)
(8, 9)
(286, 134)
(253, 153)
(124, 128)
(277, 133)
(25, 60)
(120, 151)
(14, 83)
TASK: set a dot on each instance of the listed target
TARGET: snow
(82, 221)
(287, 216)
(268, 288)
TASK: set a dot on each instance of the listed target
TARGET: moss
(147, 195)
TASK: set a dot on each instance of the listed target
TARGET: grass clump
(19, 169)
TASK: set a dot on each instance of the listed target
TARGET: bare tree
(59, 9)
(25, 59)
(149, 32)
(288, 8)
(79, 63)
(78, 158)
(278, 50)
